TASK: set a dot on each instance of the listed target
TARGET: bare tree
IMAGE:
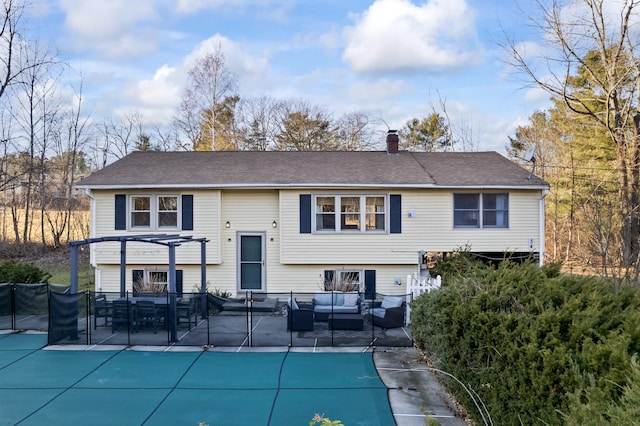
(74, 133)
(10, 43)
(355, 132)
(211, 83)
(35, 112)
(258, 123)
(594, 69)
(119, 137)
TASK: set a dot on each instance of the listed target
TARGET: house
(291, 221)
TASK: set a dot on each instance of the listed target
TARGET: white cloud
(159, 91)
(397, 35)
(114, 27)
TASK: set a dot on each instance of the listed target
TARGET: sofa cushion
(338, 309)
(378, 312)
(322, 299)
(350, 299)
(391, 302)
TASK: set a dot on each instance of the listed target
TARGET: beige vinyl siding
(108, 277)
(247, 211)
(206, 223)
(431, 229)
(440, 234)
(281, 279)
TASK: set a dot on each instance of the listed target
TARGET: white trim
(306, 185)
(541, 227)
(263, 263)
(337, 214)
(154, 212)
(481, 211)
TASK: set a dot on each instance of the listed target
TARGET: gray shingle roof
(310, 169)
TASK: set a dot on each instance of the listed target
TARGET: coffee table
(346, 321)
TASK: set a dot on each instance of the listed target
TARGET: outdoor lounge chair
(299, 319)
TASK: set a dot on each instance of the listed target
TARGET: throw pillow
(350, 299)
(293, 304)
(391, 302)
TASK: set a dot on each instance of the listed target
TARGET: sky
(393, 59)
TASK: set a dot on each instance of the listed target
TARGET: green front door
(251, 262)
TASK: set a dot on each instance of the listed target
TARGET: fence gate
(417, 285)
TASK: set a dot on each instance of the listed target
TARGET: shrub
(528, 343)
(12, 271)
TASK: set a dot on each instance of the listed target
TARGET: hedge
(537, 347)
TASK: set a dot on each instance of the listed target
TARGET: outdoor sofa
(325, 304)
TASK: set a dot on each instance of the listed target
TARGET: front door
(251, 255)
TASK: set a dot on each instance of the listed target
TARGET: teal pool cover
(130, 387)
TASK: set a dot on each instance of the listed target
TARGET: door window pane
(251, 248)
(250, 276)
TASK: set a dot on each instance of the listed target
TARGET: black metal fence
(196, 319)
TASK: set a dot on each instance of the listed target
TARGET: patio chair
(186, 308)
(147, 314)
(121, 314)
(299, 319)
(389, 313)
(101, 309)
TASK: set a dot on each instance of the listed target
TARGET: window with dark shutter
(187, 212)
(120, 212)
(395, 214)
(305, 213)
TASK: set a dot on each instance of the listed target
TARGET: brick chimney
(392, 142)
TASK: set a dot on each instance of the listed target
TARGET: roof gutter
(312, 185)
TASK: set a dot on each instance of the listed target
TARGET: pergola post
(203, 279)
(73, 279)
(123, 268)
(172, 314)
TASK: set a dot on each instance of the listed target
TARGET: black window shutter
(305, 213)
(329, 276)
(179, 282)
(137, 276)
(395, 213)
(187, 212)
(121, 212)
(370, 284)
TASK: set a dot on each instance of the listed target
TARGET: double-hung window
(344, 280)
(490, 210)
(350, 213)
(153, 212)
